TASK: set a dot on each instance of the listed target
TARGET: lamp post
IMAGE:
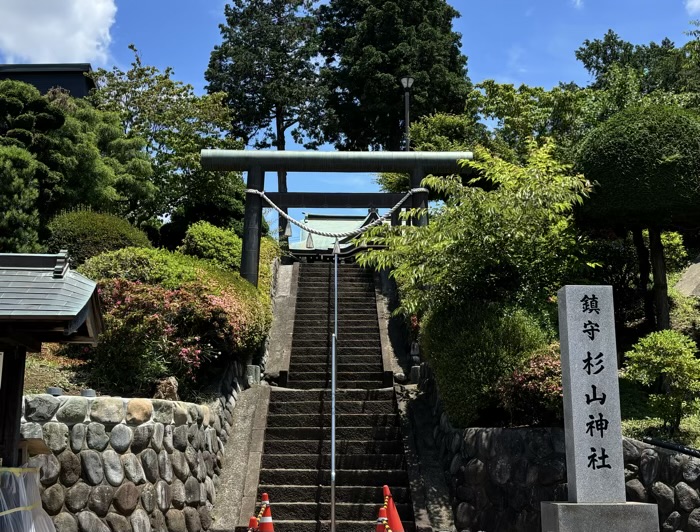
(407, 83)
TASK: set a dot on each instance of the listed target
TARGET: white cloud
(692, 6)
(56, 31)
(578, 4)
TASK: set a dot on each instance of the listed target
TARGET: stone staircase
(295, 468)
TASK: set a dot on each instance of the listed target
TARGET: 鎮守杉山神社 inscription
(592, 423)
(594, 461)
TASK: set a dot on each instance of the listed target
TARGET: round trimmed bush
(220, 246)
(645, 162)
(86, 234)
(471, 347)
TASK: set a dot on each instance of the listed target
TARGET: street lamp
(407, 83)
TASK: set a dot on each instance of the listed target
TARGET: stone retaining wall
(498, 477)
(131, 465)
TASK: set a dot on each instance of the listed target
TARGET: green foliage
(367, 46)
(685, 314)
(19, 190)
(86, 234)
(170, 314)
(514, 244)
(471, 347)
(175, 125)
(532, 394)
(220, 246)
(670, 356)
(269, 251)
(438, 132)
(646, 163)
(675, 253)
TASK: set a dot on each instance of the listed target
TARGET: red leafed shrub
(166, 315)
(532, 395)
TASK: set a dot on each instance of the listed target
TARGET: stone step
(325, 526)
(327, 308)
(341, 376)
(343, 494)
(369, 343)
(348, 447)
(357, 511)
(320, 385)
(342, 367)
(341, 433)
(314, 297)
(361, 477)
(342, 358)
(285, 394)
(342, 461)
(346, 420)
(341, 407)
(319, 327)
(350, 339)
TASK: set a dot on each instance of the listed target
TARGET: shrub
(170, 314)
(471, 347)
(86, 234)
(532, 395)
(668, 356)
(220, 246)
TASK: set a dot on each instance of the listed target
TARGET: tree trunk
(644, 272)
(658, 266)
(281, 145)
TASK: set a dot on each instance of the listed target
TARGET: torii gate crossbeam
(256, 163)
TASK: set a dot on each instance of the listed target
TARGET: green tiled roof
(330, 223)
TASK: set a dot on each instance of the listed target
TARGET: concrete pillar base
(599, 517)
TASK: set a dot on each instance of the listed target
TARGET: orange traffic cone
(253, 524)
(266, 521)
(391, 511)
(381, 519)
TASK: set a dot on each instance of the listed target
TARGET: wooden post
(252, 227)
(11, 387)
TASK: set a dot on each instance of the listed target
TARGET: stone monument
(592, 422)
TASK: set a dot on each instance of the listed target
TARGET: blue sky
(511, 41)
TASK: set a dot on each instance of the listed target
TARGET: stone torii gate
(256, 163)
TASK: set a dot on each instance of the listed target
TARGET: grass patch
(50, 368)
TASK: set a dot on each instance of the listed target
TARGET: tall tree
(368, 45)
(660, 66)
(19, 190)
(176, 124)
(83, 158)
(265, 66)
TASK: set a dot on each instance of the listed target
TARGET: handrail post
(333, 385)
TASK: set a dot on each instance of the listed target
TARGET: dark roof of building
(42, 70)
(47, 67)
(41, 297)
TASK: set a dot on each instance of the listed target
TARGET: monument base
(599, 517)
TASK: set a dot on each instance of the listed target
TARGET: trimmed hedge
(86, 234)
(220, 246)
(170, 314)
(646, 163)
(471, 347)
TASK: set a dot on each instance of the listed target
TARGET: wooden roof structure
(43, 300)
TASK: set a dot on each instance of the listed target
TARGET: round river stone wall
(130, 465)
(498, 477)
